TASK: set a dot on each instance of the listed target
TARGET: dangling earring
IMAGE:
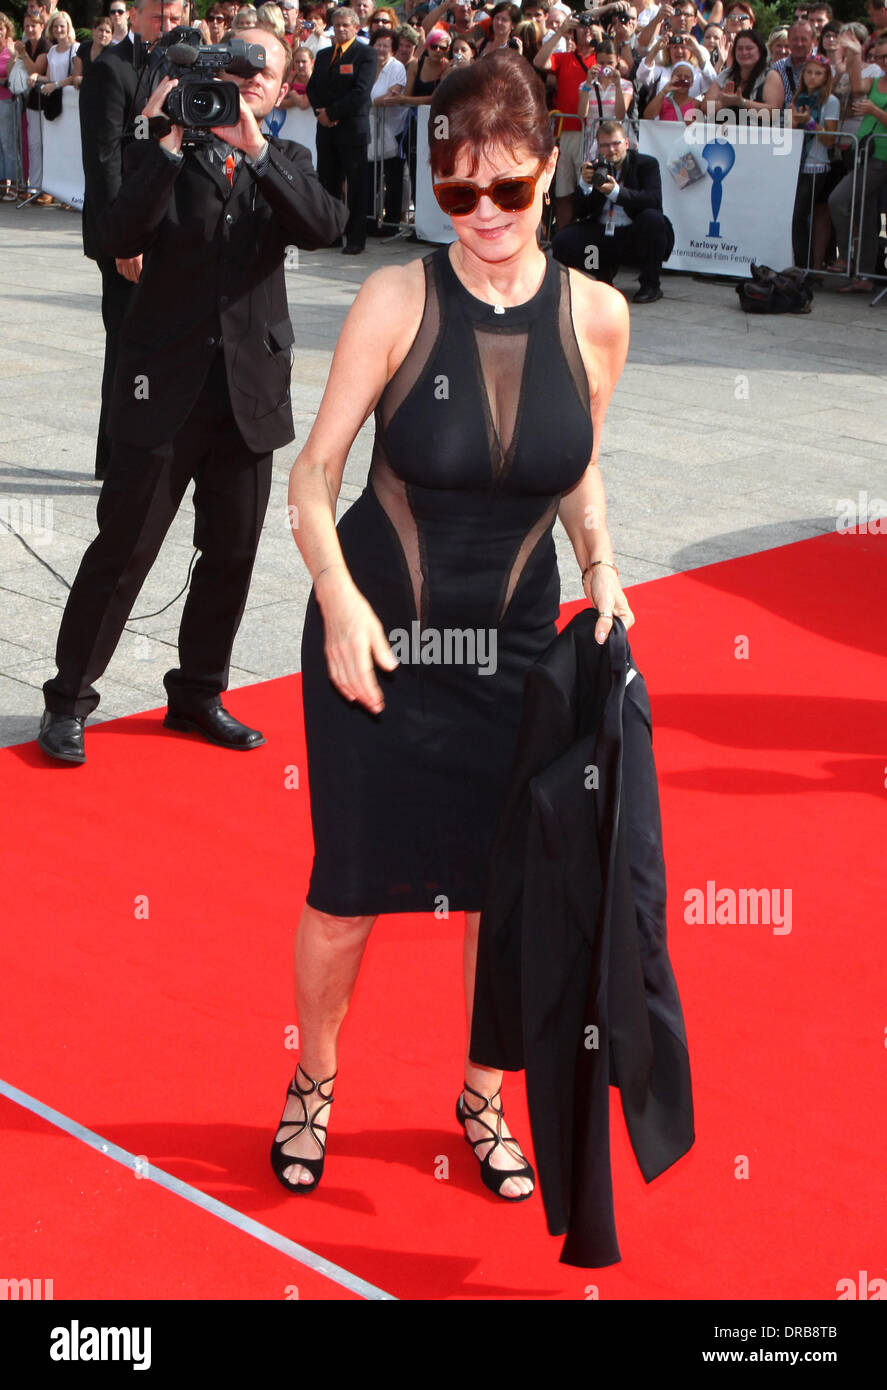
(546, 197)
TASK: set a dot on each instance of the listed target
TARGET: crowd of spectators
(673, 61)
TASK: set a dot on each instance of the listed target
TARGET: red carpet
(151, 898)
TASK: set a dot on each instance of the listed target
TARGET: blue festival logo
(274, 121)
(719, 156)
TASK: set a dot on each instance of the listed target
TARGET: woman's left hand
(604, 592)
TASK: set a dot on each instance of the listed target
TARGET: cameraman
(107, 105)
(201, 390)
(619, 217)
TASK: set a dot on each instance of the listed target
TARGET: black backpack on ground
(775, 292)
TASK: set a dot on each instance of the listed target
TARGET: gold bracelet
(599, 562)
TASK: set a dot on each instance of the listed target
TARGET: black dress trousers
(338, 162)
(142, 494)
(116, 295)
(643, 243)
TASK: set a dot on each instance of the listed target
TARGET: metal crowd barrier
(22, 128)
(20, 119)
(852, 252)
(857, 270)
(406, 141)
(846, 139)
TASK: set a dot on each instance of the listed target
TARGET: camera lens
(204, 106)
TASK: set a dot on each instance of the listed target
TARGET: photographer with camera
(676, 44)
(571, 69)
(206, 213)
(662, 20)
(619, 217)
(107, 97)
(604, 95)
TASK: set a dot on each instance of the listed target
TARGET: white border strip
(344, 1277)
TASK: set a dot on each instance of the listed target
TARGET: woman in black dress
(89, 53)
(490, 368)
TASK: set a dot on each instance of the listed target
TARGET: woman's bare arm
(376, 335)
(601, 321)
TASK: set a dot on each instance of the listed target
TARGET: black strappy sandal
(493, 1178)
(281, 1161)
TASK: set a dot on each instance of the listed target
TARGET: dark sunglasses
(510, 194)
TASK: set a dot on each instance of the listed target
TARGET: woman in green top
(870, 102)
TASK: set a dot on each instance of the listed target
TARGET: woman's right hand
(354, 639)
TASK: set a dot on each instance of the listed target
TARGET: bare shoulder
(599, 311)
(602, 323)
(387, 310)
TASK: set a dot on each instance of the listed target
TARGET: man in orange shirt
(571, 69)
(339, 91)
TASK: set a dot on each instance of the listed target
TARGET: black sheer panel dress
(479, 432)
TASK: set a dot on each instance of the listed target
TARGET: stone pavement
(727, 435)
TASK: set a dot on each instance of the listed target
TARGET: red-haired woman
(489, 367)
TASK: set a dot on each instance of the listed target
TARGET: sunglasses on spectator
(437, 47)
(510, 194)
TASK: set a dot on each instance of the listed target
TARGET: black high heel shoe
(493, 1178)
(281, 1161)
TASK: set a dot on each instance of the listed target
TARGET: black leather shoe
(352, 250)
(647, 296)
(61, 736)
(217, 725)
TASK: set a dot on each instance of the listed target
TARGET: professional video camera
(200, 101)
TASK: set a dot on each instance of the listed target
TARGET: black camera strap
(600, 106)
(586, 67)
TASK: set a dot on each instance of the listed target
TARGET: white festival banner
(729, 190)
(62, 160)
(431, 223)
(294, 124)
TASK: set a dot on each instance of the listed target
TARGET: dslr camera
(586, 19)
(602, 171)
(200, 101)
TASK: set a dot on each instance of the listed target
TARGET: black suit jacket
(212, 269)
(640, 187)
(107, 96)
(573, 978)
(344, 94)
